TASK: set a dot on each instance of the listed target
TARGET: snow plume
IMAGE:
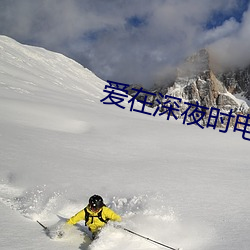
(35, 203)
(147, 215)
(128, 41)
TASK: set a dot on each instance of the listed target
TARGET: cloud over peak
(130, 41)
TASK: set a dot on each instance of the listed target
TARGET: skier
(95, 214)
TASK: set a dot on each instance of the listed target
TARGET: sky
(132, 41)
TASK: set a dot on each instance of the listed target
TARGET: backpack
(88, 216)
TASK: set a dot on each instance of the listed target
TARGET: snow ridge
(176, 184)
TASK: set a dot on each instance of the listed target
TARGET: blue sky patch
(219, 17)
(136, 21)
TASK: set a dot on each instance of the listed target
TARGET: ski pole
(146, 238)
(45, 228)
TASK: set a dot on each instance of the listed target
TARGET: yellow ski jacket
(94, 223)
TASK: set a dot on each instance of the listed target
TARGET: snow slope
(177, 184)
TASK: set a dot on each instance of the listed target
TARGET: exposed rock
(197, 82)
(237, 81)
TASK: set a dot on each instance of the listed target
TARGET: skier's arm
(77, 217)
(110, 214)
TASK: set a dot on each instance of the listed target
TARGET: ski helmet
(96, 202)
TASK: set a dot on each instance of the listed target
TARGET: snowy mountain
(237, 81)
(198, 80)
(177, 184)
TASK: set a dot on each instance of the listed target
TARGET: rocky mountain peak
(237, 81)
(196, 81)
(197, 64)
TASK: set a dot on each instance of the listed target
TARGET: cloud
(128, 41)
(228, 28)
(233, 49)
